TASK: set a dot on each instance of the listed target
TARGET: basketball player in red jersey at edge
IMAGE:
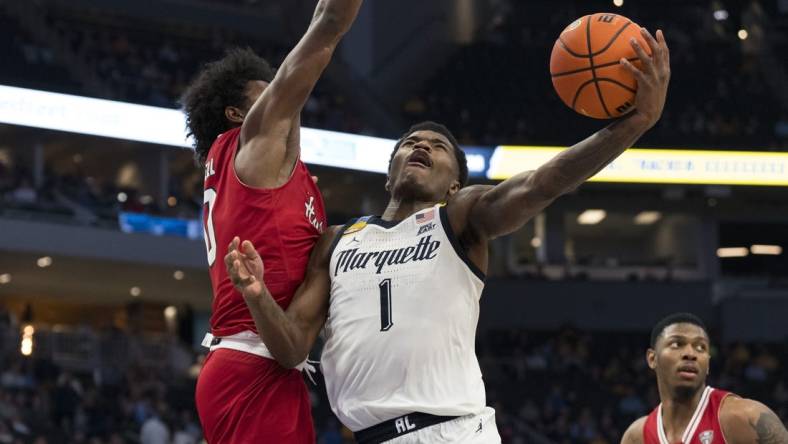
(690, 411)
(245, 121)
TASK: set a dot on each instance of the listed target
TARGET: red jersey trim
(722, 429)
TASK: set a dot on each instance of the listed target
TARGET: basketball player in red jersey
(245, 121)
(692, 412)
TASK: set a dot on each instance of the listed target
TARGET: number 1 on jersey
(385, 305)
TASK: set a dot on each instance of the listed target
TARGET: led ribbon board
(165, 126)
(659, 166)
(97, 117)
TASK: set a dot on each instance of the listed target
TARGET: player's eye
(674, 344)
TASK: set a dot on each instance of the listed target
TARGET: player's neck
(398, 210)
(677, 412)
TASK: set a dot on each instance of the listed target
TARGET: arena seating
(571, 387)
(498, 90)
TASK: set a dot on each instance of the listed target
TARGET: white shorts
(470, 429)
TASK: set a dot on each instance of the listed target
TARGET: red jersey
(704, 428)
(283, 223)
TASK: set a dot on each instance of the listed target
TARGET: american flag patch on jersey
(425, 217)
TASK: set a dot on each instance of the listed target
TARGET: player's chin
(415, 175)
(687, 388)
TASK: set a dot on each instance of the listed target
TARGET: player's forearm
(277, 331)
(335, 17)
(573, 166)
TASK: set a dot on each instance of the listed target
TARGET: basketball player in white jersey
(399, 294)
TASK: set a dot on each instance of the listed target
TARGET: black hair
(675, 318)
(220, 84)
(459, 154)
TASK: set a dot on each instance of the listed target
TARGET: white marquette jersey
(401, 327)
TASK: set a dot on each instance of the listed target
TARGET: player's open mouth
(420, 158)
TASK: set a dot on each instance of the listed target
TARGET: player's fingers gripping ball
(585, 65)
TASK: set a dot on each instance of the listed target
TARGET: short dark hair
(675, 318)
(220, 84)
(459, 154)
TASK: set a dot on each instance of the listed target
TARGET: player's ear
(234, 114)
(651, 358)
(453, 188)
(388, 184)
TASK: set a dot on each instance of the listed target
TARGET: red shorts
(245, 398)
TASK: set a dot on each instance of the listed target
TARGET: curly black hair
(459, 154)
(220, 84)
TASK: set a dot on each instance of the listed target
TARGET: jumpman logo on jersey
(480, 427)
(311, 216)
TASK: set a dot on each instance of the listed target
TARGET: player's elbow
(286, 358)
(291, 360)
(291, 354)
(540, 191)
(546, 185)
(289, 363)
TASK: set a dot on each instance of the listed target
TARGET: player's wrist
(251, 295)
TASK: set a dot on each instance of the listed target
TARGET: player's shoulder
(746, 420)
(634, 434)
(330, 234)
(222, 146)
(463, 200)
(471, 192)
(735, 409)
(227, 138)
(321, 253)
(329, 238)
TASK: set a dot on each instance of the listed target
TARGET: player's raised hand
(245, 268)
(653, 78)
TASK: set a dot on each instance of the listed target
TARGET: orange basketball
(585, 65)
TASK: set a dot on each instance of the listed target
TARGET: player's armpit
(745, 421)
(267, 124)
(309, 307)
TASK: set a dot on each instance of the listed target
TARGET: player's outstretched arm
(506, 207)
(634, 434)
(266, 127)
(745, 421)
(289, 335)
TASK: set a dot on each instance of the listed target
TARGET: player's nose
(423, 144)
(690, 354)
